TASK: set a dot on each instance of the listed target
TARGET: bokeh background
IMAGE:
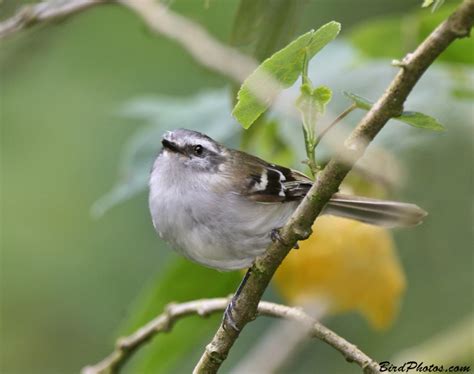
(83, 103)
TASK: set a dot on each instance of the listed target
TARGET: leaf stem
(310, 153)
(338, 119)
(304, 73)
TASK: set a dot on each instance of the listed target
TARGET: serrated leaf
(415, 119)
(420, 120)
(359, 101)
(285, 66)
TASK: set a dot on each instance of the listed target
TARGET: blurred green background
(70, 282)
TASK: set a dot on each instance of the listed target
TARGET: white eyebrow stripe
(207, 144)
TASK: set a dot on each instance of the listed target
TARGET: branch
(195, 39)
(338, 119)
(204, 48)
(43, 12)
(327, 183)
(298, 227)
(268, 355)
(207, 50)
(125, 347)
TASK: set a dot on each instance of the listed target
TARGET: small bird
(219, 206)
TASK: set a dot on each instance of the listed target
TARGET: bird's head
(193, 150)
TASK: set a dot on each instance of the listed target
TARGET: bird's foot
(276, 236)
(228, 319)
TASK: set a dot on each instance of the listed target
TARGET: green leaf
(415, 119)
(312, 105)
(420, 120)
(322, 94)
(285, 66)
(359, 101)
(262, 27)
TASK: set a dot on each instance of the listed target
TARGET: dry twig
(125, 347)
(43, 12)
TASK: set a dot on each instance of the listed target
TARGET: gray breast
(216, 229)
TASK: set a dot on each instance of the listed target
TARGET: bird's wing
(269, 183)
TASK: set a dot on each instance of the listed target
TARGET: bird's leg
(228, 318)
(275, 236)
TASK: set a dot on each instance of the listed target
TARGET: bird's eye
(198, 149)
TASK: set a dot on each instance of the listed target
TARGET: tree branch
(125, 347)
(43, 12)
(195, 39)
(205, 49)
(327, 183)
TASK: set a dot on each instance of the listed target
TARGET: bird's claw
(228, 317)
(275, 236)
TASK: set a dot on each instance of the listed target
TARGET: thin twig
(195, 39)
(328, 180)
(43, 12)
(125, 347)
(268, 355)
(338, 119)
(206, 49)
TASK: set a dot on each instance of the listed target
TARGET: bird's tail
(375, 212)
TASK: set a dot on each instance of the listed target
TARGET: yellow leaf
(348, 265)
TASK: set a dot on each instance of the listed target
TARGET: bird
(220, 207)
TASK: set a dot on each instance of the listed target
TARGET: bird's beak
(169, 145)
